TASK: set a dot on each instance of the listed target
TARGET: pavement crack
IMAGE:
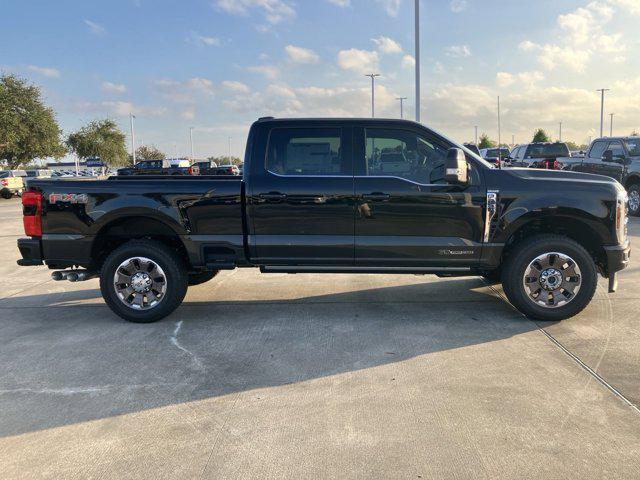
(174, 341)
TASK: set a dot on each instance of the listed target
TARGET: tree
(149, 153)
(635, 134)
(486, 142)
(100, 138)
(28, 129)
(541, 136)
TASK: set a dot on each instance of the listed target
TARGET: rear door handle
(272, 196)
(376, 197)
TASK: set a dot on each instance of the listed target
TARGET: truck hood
(559, 176)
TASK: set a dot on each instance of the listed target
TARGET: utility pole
(611, 132)
(476, 128)
(499, 135)
(402, 99)
(417, 58)
(513, 140)
(191, 141)
(560, 138)
(133, 138)
(229, 157)
(602, 90)
(373, 92)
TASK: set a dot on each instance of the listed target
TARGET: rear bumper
(31, 251)
(618, 257)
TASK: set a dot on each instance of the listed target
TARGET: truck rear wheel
(549, 277)
(634, 199)
(143, 281)
(202, 277)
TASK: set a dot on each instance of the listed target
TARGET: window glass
(548, 150)
(616, 149)
(633, 145)
(398, 153)
(598, 150)
(306, 151)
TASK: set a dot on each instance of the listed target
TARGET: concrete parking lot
(312, 376)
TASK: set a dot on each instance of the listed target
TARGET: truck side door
(614, 169)
(407, 214)
(593, 159)
(301, 202)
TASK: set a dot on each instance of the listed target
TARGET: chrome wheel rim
(634, 200)
(552, 280)
(140, 283)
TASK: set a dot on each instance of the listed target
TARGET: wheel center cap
(551, 279)
(141, 282)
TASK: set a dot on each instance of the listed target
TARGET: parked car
(40, 173)
(326, 211)
(539, 155)
(11, 182)
(495, 155)
(157, 167)
(206, 167)
(618, 158)
(227, 170)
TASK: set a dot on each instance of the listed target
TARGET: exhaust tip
(72, 277)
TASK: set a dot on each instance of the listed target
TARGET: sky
(218, 65)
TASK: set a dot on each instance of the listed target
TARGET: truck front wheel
(143, 281)
(634, 199)
(549, 277)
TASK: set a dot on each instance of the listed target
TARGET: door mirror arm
(456, 167)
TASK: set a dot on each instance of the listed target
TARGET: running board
(325, 269)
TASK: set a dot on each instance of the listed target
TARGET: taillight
(32, 213)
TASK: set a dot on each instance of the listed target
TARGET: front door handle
(376, 197)
(272, 196)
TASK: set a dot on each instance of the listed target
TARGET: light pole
(133, 138)
(611, 132)
(513, 140)
(560, 132)
(476, 128)
(229, 157)
(499, 136)
(602, 90)
(191, 141)
(373, 92)
(417, 55)
(402, 99)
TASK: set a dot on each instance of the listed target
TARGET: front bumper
(31, 251)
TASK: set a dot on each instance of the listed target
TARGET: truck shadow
(65, 366)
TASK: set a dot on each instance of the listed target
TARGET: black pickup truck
(335, 196)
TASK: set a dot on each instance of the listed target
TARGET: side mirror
(607, 156)
(457, 170)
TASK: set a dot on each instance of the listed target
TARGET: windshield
(494, 153)
(633, 146)
(551, 150)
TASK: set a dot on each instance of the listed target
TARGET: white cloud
(189, 113)
(187, 91)
(527, 79)
(203, 40)
(528, 46)
(632, 6)
(387, 45)
(458, 51)
(113, 87)
(94, 27)
(408, 61)
(340, 3)
(301, 55)
(362, 61)
(45, 71)
(458, 6)
(235, 86)
(437, 68)
(119, 109)
(504, 79)
(390, 6)
(269, 71)
(274, 11)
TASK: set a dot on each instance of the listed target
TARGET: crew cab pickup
(539, 155)
(335, 196)
(618, 158)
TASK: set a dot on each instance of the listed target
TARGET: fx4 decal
(68, 198)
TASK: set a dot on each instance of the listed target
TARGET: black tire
(7, 194)
(172, 266)
(202, 277)
(634, 190)
(522, 255)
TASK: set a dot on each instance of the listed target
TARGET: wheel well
(120, 231)
(573, 229)
(635, 180)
